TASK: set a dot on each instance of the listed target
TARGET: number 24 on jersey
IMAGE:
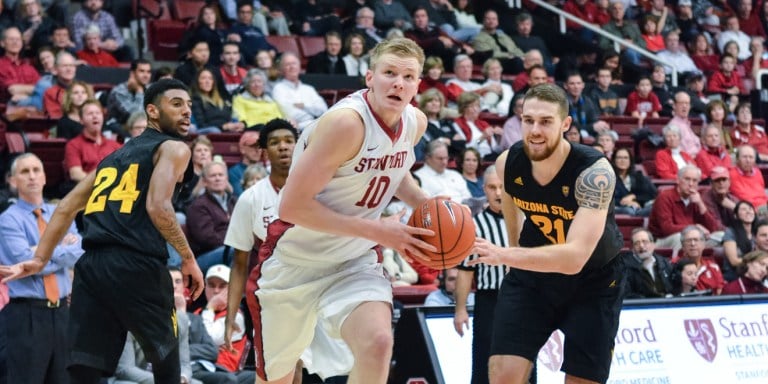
(125, 192)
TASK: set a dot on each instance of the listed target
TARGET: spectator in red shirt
(92, 52)
(672, 158)
(759, 58)
(726, 81)
(17, 75)
(531, 58)
(53, 98)
(654, 41)
(679, 207)
(703, 55)
(584, 10)
(747, 181)
(752, 273)
(432, 78)
(84, 152)
(709, 274)
(749, 21)
(231, 72)
(746, 132)
(713, 152)
(642, 102)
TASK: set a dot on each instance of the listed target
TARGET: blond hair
(400, 47)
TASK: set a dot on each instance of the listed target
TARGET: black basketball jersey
(549, 209)
(116, 213)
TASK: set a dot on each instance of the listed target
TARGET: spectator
(500, 46)
(53, 98)
(607, 140)
(641, 102)
(35, 320)
(586, 11)
(746, 179)
(399, 271)
(127, 98)
(136, 125)
(208, 217)
(85, 151)
(718, 199)
(432, 78)
(231, 73)
(684, 278)
(70, 125)
(299, 102)
(528, 42)
(672, 158)
(254, 106)
(47, 63)
(492, 102)
(265, 63)
(197, 59)
(581, 109)
(749, 20)
(733, 32)
(660, 87)
(603, 96)
(751, 277)
(17, 75)
(626, 28)
(530, 59)
(739, 238)
(133, 366)
(365, 27)
(465, 17)
(112, 39)
(328, 61)
(654, 41)
(469, 163)
(202, 154)
(446, 286)
(716, 114)
(270, 17)
(713, 153)
(253, 174)
(679, 207)
(211, 112)
(61, 40)
(356, 60)
(688, 25)
(251, 154)
(391, 14)
(536, 75)
(746, 132)
(695, 88)
(727, 81)
(689, 141)
(92, 54)
(203, 354)
(512, 129)
(207, 28)
(433, 40)
(648, 274)
(437, 179)
(439, 125)
(703, 56)
(477, 133)
(573, 135)
(440, 12)
(758, 60)
(250, 38)
(35, 26)
(709, 275)
(634, 192)
(676, 55)
(216, 289)
(315, 18)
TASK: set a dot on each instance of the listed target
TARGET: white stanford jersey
(361, 187)
(254, 210)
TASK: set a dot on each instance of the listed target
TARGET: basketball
(454, 231)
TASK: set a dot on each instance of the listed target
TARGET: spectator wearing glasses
(709, 274)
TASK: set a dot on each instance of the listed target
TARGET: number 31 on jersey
(125, 192)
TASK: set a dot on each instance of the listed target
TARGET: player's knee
(378, 346)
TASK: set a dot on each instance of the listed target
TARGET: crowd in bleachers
(691, 158)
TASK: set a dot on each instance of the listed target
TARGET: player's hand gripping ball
(453, 227)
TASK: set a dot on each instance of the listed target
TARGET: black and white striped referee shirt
(490, 226)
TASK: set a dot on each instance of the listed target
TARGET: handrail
(759, 78)
(617, 41)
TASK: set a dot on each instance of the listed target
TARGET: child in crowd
(642, 102)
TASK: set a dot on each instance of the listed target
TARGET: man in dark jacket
(648, 274)
(329, 61)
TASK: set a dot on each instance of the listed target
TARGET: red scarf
(464, 125)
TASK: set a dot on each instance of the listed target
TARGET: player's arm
(594, 192)
(237, 279)
(171, 161)
(57, 227)
(241, 238)
(513, 218)
(315, 168)
(409, 191)
(460, 293)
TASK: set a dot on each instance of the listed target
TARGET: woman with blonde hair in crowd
(211, 112)
(356, 60)
(432, 77)
(136, 124)
(439, 124)
(492, 101)
(69, 125)
(254, 105)
(253, 174)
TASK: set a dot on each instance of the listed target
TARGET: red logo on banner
(417, 380)
(702, 335)
(551, 354)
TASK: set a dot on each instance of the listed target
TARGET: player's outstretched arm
(57, 227)
(315, 168)
(171, 161)
(593, 192)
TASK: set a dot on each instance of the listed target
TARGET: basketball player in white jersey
(319, 265)
(254, 210)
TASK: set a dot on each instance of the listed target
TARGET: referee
(489, 225)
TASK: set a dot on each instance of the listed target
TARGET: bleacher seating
(51, 153)
(186, 11)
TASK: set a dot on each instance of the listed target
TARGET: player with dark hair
(564, 274)
(121, 282)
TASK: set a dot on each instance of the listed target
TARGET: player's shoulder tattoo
(595, 185)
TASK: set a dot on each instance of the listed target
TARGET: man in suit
(329, 61)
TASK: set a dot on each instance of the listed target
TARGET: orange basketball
(453, 227)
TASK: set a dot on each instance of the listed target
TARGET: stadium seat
(226, 145)
(329, 95)
(186, 11)
(285, 44)
(51, 153)
(164, 37)
(311, 45)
